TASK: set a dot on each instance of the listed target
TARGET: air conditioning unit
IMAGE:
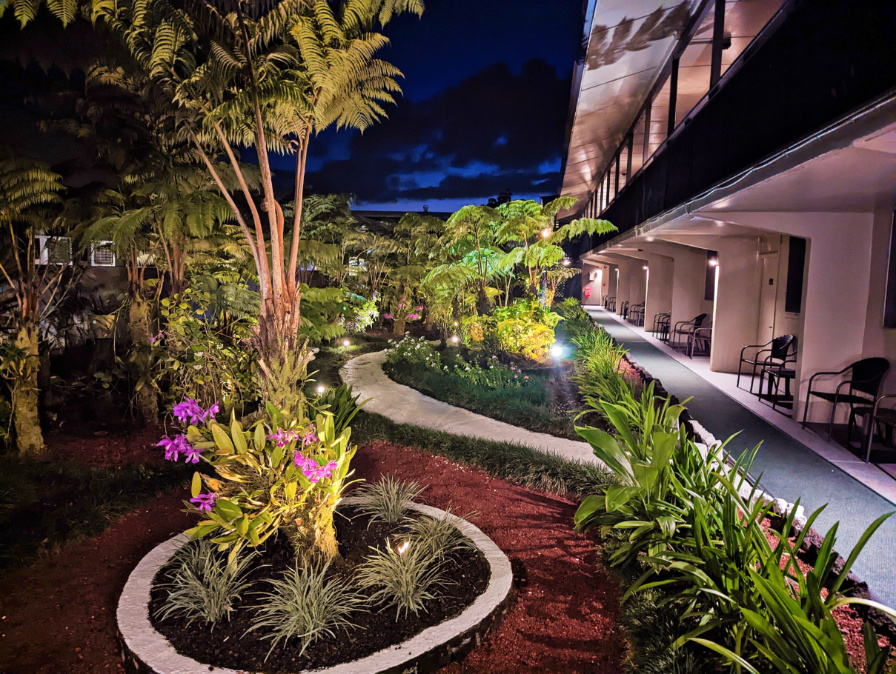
(52, 250)
(102, 254)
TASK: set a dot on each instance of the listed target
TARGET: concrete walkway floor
(788, 468)
(404, 405)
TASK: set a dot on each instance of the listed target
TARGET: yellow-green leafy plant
(282, 474)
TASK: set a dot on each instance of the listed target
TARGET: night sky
(486, 95)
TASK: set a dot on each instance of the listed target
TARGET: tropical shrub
(205, 356)
(599, 377)
(363, 314)
(280, 474)
(694, 528)
(474, 329)
(576, 321)
(521, 338)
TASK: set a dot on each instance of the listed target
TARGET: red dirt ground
(58, 614)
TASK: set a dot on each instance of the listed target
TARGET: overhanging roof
(628, 43)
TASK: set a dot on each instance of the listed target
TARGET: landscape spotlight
(346, 342)
(455, 339)
(546, 232)
(321, 389)
(558, 351)
(566, 262)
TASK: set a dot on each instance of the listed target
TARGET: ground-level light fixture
(546, 232)
(456, 324)
(346, 342)
(566, 261)
(321, 389)
(403, 547)
(558, 351)
(455, 339)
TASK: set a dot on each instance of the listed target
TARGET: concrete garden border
(145, 651)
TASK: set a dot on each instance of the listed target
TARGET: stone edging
(146, 651)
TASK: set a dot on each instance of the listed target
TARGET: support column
(659, 287)
(736, 311)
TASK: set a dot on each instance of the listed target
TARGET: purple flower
(190, 412)
(157, 338)
(413, 317)
(420, 308)
(387, 315)
(205, 502)
(180, 445)
(309, 437)
(312, 470)
(284, 437)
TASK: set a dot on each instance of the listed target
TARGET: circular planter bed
(449, 628)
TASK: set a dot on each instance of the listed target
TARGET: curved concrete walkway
(404, 405)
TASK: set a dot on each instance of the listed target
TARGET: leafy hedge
(706, 588)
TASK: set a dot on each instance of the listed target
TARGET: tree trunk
(482, 304)
(29, 438)
(283, 358)
(398, 327)
(140, 328)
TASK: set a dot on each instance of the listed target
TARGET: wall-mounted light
(713, 262)
(645, 267)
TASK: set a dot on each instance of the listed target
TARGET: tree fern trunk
(398, 327)
(140, 329)
(29, 438)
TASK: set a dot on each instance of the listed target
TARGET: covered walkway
(788, 468)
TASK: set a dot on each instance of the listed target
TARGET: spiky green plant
(404, 577)
(305, 605)
(439, 535)
(203, 584)
(387, 500)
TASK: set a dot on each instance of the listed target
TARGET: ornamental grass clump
(388, 500)
(406, 577)
(282, 474)
(438, 535)
(203, 584)
(305, 605)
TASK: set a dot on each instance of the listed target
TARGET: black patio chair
(684, 328)
(658, 320)
(882, 417)
(866, 376)
(776, 353)
(700, 339)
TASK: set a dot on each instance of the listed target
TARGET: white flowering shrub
(494, 375)
(414, 352)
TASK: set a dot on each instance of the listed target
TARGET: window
(52, 250)
(712, 264)
(796, 264)
(102, 254)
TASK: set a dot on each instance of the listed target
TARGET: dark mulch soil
(466, 576)
(566, 614)
(111, 445)
(57, 615)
